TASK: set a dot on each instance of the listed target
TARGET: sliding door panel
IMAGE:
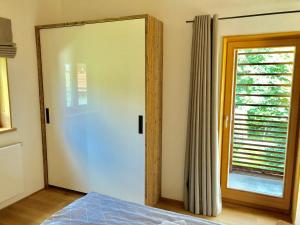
(263, 80)
(94, 84)
(260, 114)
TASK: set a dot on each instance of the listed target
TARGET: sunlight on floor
(255, 183)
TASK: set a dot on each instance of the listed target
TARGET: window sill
(6, 130)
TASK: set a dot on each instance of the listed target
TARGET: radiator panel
(11, 172)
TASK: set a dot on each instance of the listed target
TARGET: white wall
(177, 45)
(22, 72)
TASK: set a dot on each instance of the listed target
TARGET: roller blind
(7, 47)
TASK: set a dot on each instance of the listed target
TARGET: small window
(5, 116)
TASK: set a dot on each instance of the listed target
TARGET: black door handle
(47, 116)
(141, 124)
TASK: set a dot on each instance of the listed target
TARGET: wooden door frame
(227, 41)
(153, 98)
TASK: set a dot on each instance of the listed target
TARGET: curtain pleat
(202, 193)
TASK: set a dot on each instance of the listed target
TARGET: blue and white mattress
(98, 209)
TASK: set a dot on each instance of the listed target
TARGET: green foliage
(269, 131)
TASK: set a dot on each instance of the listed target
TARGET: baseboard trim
(171, 201)
(64, 189)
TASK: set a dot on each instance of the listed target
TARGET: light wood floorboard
(39, 206)
(36, 208)
(233, 214)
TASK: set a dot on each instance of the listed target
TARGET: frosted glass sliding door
(94, 88)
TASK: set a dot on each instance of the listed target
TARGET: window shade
(7, 47)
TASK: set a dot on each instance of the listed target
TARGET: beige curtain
(7, 47)
(202, 194)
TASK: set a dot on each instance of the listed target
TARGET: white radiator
(11, 171)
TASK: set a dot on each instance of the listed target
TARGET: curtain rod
(253, 15)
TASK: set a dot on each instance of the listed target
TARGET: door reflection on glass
(81, 84)
(76, 85)
(69, 88)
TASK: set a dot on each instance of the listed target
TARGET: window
(262, 102)
(260, 110)
(5, 116)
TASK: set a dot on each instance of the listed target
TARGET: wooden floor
(233, 214)
(36, 208)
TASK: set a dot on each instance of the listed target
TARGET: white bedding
(98, 209)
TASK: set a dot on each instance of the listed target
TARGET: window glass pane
(263, 83)
(5, 120)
